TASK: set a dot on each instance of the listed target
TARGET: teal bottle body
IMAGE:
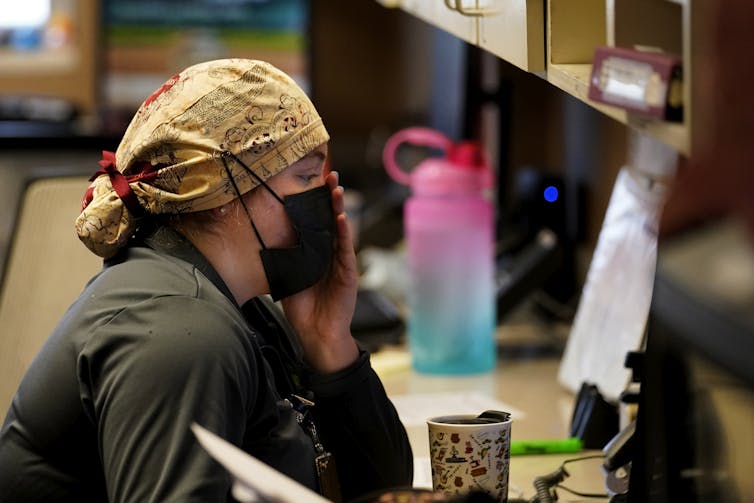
(451, 320)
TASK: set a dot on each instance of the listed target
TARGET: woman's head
(171, 156)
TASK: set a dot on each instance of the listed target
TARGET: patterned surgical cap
(169, 160)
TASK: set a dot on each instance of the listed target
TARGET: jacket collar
(167, 240)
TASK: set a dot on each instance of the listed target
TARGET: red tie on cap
(119, 182)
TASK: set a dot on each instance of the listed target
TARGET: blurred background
(72, 73)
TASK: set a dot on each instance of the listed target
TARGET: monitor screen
(696, 415)
(26, 14)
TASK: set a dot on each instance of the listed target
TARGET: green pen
(557, 446)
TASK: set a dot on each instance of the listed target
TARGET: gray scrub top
(156, 342)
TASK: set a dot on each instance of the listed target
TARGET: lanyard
(324, 461)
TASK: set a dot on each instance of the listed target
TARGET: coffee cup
(470, 452)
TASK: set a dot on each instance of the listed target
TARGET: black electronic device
(694, 438)
(594, 420)
(519, 274)
(535, 253)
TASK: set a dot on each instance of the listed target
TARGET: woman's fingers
(344, 240)
(332, 179)
(338, 201)
(345, 244)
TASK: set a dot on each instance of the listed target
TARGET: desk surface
(526, 384)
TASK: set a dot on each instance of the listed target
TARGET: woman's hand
(322, 314)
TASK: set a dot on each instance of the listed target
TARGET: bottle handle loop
(420, 136)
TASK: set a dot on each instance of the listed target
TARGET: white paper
(614, 305)
(415, 409)
(422, 473)
(254, 480)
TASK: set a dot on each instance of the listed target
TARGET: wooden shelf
(577, 27)
(574, 79)
(573, 30)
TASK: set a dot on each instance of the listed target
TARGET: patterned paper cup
(471, 452)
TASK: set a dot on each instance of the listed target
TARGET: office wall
(370, 75)
(371, 71)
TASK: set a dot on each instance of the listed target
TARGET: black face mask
(291, 270)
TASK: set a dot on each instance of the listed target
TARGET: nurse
(217, 196)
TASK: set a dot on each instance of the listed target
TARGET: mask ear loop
(228, 154)
(238, 192)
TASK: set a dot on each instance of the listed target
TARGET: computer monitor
(30, 14)
(49, 59)
(696, 415)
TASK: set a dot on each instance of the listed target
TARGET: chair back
(46, 269)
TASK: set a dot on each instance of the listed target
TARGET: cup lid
(485, 418)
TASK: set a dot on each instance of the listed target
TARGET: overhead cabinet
(447, 15)
(514, 31)
(557, 39)
(577, 27)
(510, 29)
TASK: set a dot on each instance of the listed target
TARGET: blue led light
(551, 194)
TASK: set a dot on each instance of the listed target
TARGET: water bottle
(449, 232)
